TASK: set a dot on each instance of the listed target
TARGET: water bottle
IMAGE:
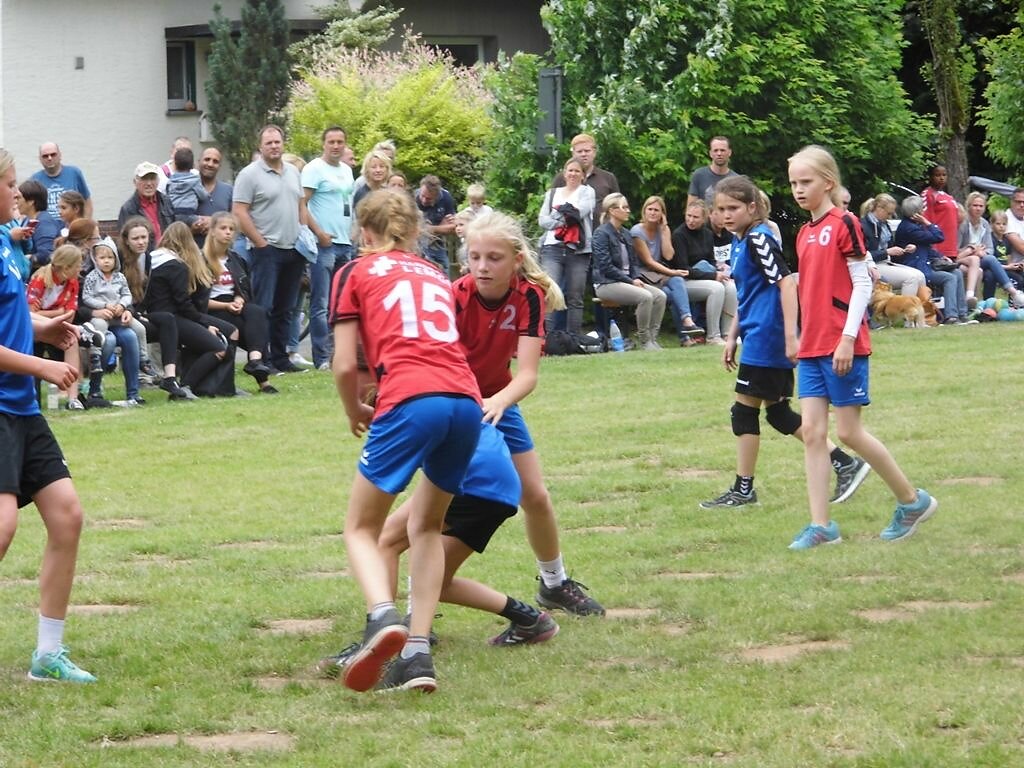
(615, 336)
(52, 397)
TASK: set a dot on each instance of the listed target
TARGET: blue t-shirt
(757, 268)
(17, 390)
(220, 200)
(331, 203)
(68, 178)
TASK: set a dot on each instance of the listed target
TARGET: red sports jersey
(406, 324)
(940, 208)
(490, 334)
(822, 247)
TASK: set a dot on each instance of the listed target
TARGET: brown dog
(889, 307)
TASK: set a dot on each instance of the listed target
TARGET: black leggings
(166, 334)
(252, 324)
(206, 347)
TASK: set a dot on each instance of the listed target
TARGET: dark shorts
(30, 458)
(771, 384)
(473, 520)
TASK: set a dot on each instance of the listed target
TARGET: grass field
(211, 579)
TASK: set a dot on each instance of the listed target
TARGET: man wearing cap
(148, 202)
(57, 177)
(269, 205)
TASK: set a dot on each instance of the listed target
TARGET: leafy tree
(950, 74)
(434, 111)
(345, 29)
(655, 81)
(249, 76)
(1002, 115)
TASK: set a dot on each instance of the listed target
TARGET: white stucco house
(113, 83)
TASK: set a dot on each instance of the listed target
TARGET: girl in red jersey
(500, 308)
(399, 307)
(834, 290)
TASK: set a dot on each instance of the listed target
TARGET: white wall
(110, 115)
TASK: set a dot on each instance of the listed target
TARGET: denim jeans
(678, 302)
(438, 253)
(125, 338)
(276, 276)
(329, 259)
(951, 286)
(568, 270)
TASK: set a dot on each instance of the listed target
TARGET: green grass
(634, 440)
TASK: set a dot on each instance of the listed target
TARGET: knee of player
(782, 417)
(535, 498)
(746, 420)
(66, 525)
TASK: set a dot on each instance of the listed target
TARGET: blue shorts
(816, 378)
(491, 474)
(438, 433)
(513, 428)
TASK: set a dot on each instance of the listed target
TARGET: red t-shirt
(822, 247)
(150, 209)
(490, 332)
(940, 208)
(406, 317)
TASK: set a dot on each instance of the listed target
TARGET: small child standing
(834, 290)
(767, 298)
(1003, 252)
(185, 189)
(105, 291)
(52, 292)
(32, 467)
(476, 199)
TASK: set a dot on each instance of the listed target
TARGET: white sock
(408, 595)
(970, 294)
(552, 572)
(380, 609)
(415, 645)
(50, 635)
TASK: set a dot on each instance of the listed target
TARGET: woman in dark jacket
(617, 272)
(177, 272)
(229, 297)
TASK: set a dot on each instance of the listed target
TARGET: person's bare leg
(850, 430)
(61, 512)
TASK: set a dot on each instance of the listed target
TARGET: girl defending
(834, 346)
(500, 312)
(767, 304)
(32, 467)
(428, 415)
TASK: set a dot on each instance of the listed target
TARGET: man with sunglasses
(57, 178)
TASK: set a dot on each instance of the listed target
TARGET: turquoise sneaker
(908, 516)
(57, 667)
(813, 535)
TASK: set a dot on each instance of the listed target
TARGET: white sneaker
(296, 359)
(1017, 300)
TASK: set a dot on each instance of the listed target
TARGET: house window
(181, 75)
(466, 51)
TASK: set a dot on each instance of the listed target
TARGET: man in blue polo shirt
(57, 178)
(438, 209)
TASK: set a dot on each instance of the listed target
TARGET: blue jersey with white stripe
(757, 268)
(17, 390)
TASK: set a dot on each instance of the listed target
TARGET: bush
(435, 112)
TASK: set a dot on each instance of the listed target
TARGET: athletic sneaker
(413, 674)
(813, 535)
(382, 639)
(731, 499)
(908, 516)
(57, 667)
(849, 478)
(570, 597)
(544, 628)
(147, 368)
(74, 404)
(90, 335)
(299, 361)
(332, 666)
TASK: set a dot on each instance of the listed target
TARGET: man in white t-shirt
(327, 185)
(1015, 224)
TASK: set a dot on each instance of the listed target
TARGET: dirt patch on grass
(275, 683)
(164, 561)
(248, 545)
(912, 608)
(630, 613)
(18, 582)
(865, 578)
(773, 654)
(1014, 578)
(690, 575)
(598, 529)
(252, 741)
(297, 626)
(118, 524)
(690, 473)
(101, 609)
(343, 573)
(677, 629)
(608, 724)
(1013, 661)
(981, 480)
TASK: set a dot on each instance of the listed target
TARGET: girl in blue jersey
(32, 467)
(767, 302)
